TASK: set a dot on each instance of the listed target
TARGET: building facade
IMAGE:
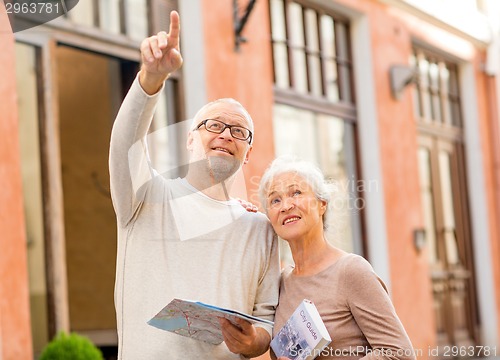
(396, 100)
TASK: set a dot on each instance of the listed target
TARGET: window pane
(417, 108)
(137, 22)
(315, 75)
(343, 61)
(328, 52)
(109, 16)
(296, 28)
(295, 25)
(294, 132)
(453, 82)
(345, 84)
(280, 50)
(448, 209)
(341, 37)
(454, 97)
(330, 74)
(278, 20)
(445, 77)
(426, 195)
(328, 142)
(83, 13)
(335, 142)
(313, 58)
(281, 66)
(299, 70)
(327, 37)
(456, 113)
(424, 84)
(435, 91)
(312, 30)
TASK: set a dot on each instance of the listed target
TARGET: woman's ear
(323, 207)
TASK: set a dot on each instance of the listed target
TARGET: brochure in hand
(197, 320)
(303, 336)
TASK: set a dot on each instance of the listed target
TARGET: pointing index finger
(175, 28)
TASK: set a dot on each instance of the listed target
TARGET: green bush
(71, 347)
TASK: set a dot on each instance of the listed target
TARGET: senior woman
(351, 299)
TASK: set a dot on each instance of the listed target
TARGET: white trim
(474, 28)
(193, 53)
(375, 211)
(478, 208)
(340, 8)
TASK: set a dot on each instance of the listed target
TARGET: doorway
(444, 199)
(90, 87)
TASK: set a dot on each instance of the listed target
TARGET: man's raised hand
(160, 55)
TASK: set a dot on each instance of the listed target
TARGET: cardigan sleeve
(129, 164)
(374, 313)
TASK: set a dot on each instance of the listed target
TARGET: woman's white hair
(306, 170)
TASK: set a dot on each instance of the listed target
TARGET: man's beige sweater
(175, 242)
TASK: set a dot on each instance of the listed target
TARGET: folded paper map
(197, 320)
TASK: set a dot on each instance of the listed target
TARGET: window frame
(425, 88)
(341, 108)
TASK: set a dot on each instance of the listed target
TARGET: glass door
(444, 200)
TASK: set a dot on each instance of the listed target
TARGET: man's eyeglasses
(218, 127)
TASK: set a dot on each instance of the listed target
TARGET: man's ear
(247, 156)
(189, 141)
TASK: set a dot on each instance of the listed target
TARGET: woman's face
(293, 208)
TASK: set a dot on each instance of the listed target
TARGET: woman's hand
(248, 205)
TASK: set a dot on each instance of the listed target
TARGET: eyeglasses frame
(226, 126)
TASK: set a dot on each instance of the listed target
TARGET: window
(127, 17)
(437, 98)
(314, 114)
(135, 19)
(328, 142)
(312, 56)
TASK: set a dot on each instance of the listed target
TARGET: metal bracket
(400, 77)
(419, 239)
(240, 22)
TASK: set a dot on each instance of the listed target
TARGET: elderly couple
(184, 238)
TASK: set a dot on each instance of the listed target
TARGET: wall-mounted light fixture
(240, 22)
(400, 77)
(419, 239)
